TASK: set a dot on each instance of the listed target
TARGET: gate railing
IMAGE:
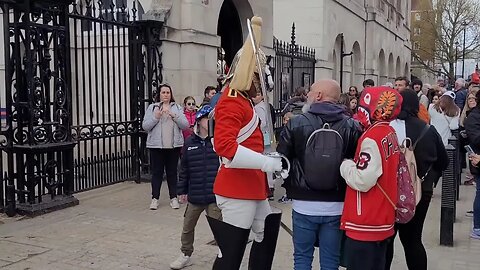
(37, 142)
(78, 78)
(102, 122)
(294, 67)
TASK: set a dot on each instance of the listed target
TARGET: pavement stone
(113, 228)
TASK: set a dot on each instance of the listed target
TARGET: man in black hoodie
(316, 213)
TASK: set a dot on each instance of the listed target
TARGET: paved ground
(113, 229)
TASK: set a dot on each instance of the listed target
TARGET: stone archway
(229, 29)
(382, 70)
(232, 26)
(356, 76)
(406, 71)
(398, 67)
(337, 50)
(391, 67)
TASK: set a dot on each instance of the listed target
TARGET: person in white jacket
(261, 111)
(164, 121)
(445, 115)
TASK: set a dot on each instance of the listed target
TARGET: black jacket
(199, 167)
(429, 152)
(292, 144)
(472, 126)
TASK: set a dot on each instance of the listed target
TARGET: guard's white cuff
(245, 159)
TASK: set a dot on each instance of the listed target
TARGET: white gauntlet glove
(248, 159)
(272, 165)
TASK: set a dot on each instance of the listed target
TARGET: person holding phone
(164, 121)
(472, 127)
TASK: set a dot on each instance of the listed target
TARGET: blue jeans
(476, 206)
(307, 230)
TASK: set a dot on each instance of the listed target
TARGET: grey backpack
(323, 156)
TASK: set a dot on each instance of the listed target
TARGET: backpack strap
(313, 121)
(386, 196)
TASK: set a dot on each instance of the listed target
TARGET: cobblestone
(113, 228)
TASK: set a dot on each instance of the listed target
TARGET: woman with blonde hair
(445, 116)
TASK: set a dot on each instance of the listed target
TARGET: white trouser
(246, 214)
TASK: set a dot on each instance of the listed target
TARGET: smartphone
(469, 150)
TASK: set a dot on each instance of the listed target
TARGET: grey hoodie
(150, 124)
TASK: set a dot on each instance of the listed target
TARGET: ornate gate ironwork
(102, 123)
(294, 67)
(37, 140)
(78, 77)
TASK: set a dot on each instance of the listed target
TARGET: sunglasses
(191, 104)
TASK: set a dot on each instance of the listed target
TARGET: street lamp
(464, 24)
(342, 55)
(456, 60)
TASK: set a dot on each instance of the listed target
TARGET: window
(416, 46)
(418, 17)
(416, 31)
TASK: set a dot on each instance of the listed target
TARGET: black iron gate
(102, 122)
(294, 67)
(78, 78)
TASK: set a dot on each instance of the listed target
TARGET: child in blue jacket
(199, 167)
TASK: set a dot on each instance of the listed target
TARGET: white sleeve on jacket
(454, 122)
(149, 119)
(363, 175)
(262, 114)
(180, 119)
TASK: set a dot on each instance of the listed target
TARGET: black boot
(232, 241)
(261, 253)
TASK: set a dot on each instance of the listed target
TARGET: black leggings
(160, 160)
(411, 238)
(362, 255)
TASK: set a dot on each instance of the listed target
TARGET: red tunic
(233, 111)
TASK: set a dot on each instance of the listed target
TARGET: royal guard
(241, 187)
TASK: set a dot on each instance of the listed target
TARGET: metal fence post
(456, 161)
(448, 202)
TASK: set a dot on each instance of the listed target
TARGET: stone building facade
(195, 29)
(423, 39)
(377, 32)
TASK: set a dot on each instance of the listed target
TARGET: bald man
(315, 184)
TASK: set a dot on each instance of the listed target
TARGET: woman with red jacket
(368, 217)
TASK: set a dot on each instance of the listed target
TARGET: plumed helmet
(244, 63)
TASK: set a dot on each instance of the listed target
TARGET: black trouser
(160, 160)
(362, 255)
(411, 237)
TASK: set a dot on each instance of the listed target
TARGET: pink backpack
(405, 205)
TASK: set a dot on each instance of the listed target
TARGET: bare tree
(447, 23)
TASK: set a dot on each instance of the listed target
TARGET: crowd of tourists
(363, 165)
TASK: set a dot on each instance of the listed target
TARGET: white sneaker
(174, 204)
(181, 262)
(154, 204)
